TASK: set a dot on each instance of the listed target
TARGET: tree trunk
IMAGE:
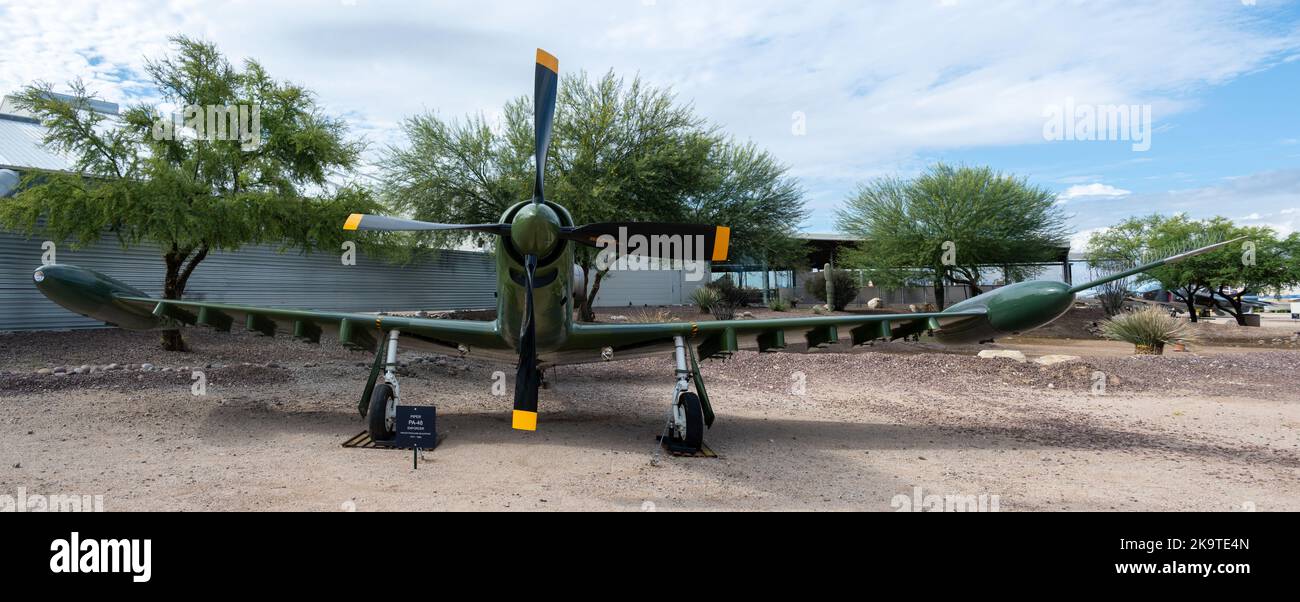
(589, 304)
(1190, 299)
(1237, 311)
(178, 275)
(938, 291)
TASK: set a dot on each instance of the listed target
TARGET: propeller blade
(526, 377)
(384, 223)
(544, 94)
(716, 239)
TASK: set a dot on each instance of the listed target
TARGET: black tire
(694, 421)
(376, 415)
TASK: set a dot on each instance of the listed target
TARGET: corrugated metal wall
(647, 287)
(253, 276)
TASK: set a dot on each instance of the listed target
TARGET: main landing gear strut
(687, 415)
(380, 398)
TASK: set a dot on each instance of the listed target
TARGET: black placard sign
(416, 427)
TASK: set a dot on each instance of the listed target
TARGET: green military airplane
(534, 326)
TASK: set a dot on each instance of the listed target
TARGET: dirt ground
(1215, 429)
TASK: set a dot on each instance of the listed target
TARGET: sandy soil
(1217, 429)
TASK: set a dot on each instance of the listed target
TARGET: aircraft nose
(535, 230)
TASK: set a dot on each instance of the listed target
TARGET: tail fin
(1153, 265)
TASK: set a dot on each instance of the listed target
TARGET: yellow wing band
(353, 222)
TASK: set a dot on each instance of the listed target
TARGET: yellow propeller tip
(721, 243)
(353, 222)
(548, 60)
(525, 420)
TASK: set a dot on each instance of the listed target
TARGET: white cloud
(1092, 191)
(1264, 194)
(1079, 242)
(881, 83)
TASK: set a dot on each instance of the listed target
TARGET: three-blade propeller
(714, 240)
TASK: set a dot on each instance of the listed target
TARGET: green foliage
(992, 219)
(1229, 273)
(1148, 329)
(846, 288)
(705, 297)
(186, 194)
(778, 304)
(621, 151)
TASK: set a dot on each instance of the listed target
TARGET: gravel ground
(1218, 429)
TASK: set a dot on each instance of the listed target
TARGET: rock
(78, 370)
(113, 367)
(309, 365)
(44, 372)
(1003, 354)
(875, 303)
(272, 365)
(61, 370)
(1052, 360)
(146, 367)
(746, 314)
(617, 319)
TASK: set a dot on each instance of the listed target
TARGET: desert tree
(948, 223)
(146, 181)
(621, 151)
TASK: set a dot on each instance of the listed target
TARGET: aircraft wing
(719, 338)
(116, 303)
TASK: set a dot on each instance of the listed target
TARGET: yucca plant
(705, 298)
(1149, 330)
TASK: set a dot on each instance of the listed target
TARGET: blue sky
(882, 88)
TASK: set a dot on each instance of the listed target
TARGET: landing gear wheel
(693, 438)
(377, 421)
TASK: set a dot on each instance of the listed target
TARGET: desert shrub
(778, 304)
(846, 288)
(705, 298)
(723, 311)
(1112, 296)
(728, 291)
(1148, 330)
(652, 316)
